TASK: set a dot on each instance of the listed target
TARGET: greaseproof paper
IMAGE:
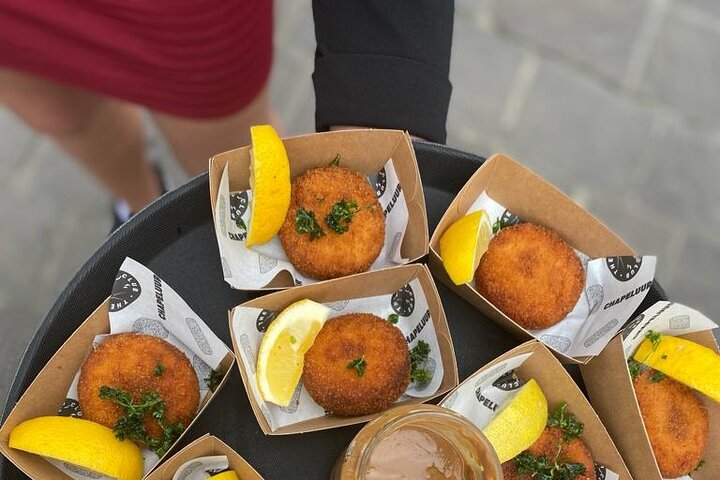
(141, 302)
(255, 267)
(414, 320)
(614, 289)
(202, 468)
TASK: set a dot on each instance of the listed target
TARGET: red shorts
(192, 58)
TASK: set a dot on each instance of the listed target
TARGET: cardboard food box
(342, 296)
(611, 392)
(205, 446)
(47, 393)
(483, 394)
(534, 200)
(365, 151)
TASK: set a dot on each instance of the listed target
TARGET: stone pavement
(616, 102)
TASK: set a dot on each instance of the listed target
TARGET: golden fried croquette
(333, 254)
(531, 275)
(676, 422)
(574, 451)
(138, 364)
(358, 364)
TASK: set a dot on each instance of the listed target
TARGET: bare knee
(56, 110)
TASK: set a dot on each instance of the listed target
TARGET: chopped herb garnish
(656, 377)
(654, 337)
(341, 214)
(335, 161)
(213, 379)
(305, 222)
(499, 224)
(393, 318)
(569, 424)
(159, 370)
(293, 340)
(700, 464)
(634, 367)
(132, 425)
(540, 469)
(241, 224)
(359, 365)
(418, 357)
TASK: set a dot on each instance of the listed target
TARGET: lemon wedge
(462, 245)
(80, 442)
(270, 184)
(520, 423)
(229, 475)
(687, 362)
(282, 349)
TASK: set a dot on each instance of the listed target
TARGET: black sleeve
(383, 63)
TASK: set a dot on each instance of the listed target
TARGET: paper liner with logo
(612, 394)
(616, 280)
(385, 156)
(408, 291)
(482, 395)
(141, 302)
(189, 463)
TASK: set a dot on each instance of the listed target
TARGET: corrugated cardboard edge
(535, 200)
(558, 387)
(378, 282)
(205, 446)
(611, 392)
(48, 391)
(364, 150)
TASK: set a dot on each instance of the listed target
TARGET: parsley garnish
(418, 357)
(359, 365)
(499, 224)
(634, 367)
(540, 469)
(335, 161)
(654, 337)
(569, 424)
(305, 222)
(393, 318)
(132, 425)
(700, 464)
(656, 377)
(213, 379)
(293, 340)
(341, 214)
(159, 370)
(241, 224)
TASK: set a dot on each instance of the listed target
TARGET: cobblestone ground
(616, 102)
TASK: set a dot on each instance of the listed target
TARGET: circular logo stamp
(126, 290)
(403, 301)
(624, 268)
(381, 182)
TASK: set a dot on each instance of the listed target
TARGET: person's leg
(102, 134)
(194, 141)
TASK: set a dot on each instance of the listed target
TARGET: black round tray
(174, 237)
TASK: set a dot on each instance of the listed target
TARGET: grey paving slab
(711, 7)
(573, 130)
(697, 283)
(683, 69)
(642, 232)
(15, 139)
(598, 35)
(482, 70)
(682, 181)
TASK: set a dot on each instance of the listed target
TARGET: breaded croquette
(138, 364)
(574, 451)
(676, 422)
(531, 275)
(335, 225)
(359, 364)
